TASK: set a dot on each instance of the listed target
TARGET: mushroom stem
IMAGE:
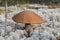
(28, 29)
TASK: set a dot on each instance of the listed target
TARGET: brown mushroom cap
(27, 17)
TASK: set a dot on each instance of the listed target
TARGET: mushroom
(27, 17)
